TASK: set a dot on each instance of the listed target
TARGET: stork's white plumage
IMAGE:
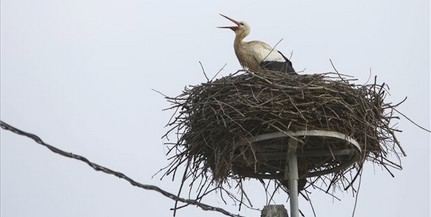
(255, 55)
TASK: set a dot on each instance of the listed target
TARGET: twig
(411, 121)
(203, 71)
(273, 49)
(221, 69)
(311, 204)
(357, 194)
(369, 77)
(120, 175)
(335, 69)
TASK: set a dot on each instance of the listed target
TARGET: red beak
(234, 28)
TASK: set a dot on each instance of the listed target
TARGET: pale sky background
(79, 74)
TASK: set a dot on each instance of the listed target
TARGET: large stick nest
(213, 117)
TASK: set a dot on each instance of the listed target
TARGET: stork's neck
(239, 40)
(238, 46)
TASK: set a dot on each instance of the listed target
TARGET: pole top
(274, 211)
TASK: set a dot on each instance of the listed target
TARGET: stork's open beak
(234, 28)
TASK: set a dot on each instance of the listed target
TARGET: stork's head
(242, 29)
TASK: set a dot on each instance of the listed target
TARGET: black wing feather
(285, 66)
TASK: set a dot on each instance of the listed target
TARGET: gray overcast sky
(80, 73)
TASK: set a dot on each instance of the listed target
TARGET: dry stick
(235, 200)
(120, 175)
(181, 187)
(411, 121)
(355, 177)
(266, 187)
(276, 187)
(272, 49)
(338, 74)
(335, 69)
(311, 203)
(203, 71)
(357, 194)
(221, 69)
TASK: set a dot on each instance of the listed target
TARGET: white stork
(255, 55)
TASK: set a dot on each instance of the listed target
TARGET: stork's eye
(241, 24)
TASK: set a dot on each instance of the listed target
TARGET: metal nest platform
(319, 152)
(294, 156)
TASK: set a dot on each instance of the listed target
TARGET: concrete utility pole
(274, 211)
